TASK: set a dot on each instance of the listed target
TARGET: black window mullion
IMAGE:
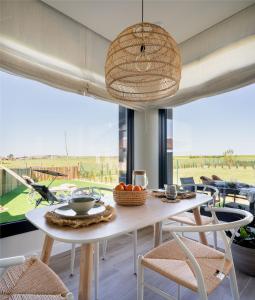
(130, 145)
(165, 154)
(162, 178)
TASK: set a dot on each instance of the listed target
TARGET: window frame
(130, 145)
(165, 159)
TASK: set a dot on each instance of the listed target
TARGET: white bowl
(81, 204)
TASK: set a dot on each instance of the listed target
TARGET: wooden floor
(117, 281)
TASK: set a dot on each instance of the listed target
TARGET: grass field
(17, 202)
(92, 168)
(235, 168)
(91, 162)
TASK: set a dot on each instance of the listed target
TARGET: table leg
(46, 250)
(157, 234)
(86, 271)
(197, 216)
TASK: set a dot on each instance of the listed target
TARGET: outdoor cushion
(32, 280)
(215, 177)
(206, 180)
(170, 261)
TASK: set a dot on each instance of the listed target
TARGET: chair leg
(224, 200)
(215, 241)
(140, 279)
(134, 236)
(178, 292)
(72, 260)
(201, 290)
(104, 248)
(182, 232)
(96, 269)
(233, 284)
(203, 296)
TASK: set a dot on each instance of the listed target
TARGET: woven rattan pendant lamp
(143, 64)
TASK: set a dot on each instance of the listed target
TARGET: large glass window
(49, 129)
(215, 136)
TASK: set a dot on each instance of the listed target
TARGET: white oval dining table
(127, 219)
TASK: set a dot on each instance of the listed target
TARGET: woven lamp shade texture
(143, 64)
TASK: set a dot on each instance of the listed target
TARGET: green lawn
(17, 202)
(231, 168)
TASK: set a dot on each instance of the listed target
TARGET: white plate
(159, 190)
(66, 212)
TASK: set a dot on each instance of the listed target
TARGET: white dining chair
(133, 234)
(187, 218)
(97, 260)
(191, 264)
(30, 279)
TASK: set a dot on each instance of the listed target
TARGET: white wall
(146, 144)
(29, 243)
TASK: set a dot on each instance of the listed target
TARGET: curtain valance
(38, 42)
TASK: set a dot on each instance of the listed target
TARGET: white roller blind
(39, 42)
(219, 59)
(223, 70)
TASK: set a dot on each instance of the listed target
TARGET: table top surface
(127, 219)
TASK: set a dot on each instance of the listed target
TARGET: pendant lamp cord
(142, 11)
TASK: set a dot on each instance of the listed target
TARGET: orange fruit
(119, 187)
(137, 188)
(129, 187)
(141, 188)
(123, 184)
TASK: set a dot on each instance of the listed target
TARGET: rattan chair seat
(170, 261)
(32, 280)
(188, 218)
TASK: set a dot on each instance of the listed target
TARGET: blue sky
(214, 124)
(35, 117)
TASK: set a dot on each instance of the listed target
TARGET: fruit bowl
(130, 198)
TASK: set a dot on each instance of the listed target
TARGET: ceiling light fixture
(143, 64)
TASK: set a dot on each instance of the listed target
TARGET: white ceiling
(181, 18)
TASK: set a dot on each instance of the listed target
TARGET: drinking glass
(139, 177)
(170, 191)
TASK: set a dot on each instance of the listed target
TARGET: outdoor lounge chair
(188, 181)
(47, 195)
(28, 179)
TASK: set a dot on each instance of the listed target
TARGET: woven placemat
(53, 218)
(182, 196)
